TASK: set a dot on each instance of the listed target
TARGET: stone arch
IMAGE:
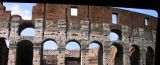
(134, 55)
(3, 52)
(25, 25)
(48, 40)
(118, 32)
(150, 56)
(24, 54)
(42, 47)
(116, 54)
(73, 40)
(73, 60)
(100, 52)
(99, 43)
(16, 18)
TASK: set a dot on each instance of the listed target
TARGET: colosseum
(91, 24)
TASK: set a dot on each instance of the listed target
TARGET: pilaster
(12, 54)
(142, 56)
(84, 53)
(36, 54)
(126, 55)
(106, 54)
(61, 53)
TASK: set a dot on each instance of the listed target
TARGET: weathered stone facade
(92, 24)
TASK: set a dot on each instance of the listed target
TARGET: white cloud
(15, 9)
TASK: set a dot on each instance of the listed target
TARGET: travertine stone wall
(92, 23)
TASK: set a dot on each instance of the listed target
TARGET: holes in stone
(74, 34)
(92, 36)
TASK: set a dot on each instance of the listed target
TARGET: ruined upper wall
(95, 14)
(37, 11)
(4, 15)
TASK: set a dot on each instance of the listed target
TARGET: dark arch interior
(118, 32)
(100, 52)
(3, 52)
(73, 60)
(24, 53)
(135, 55)
(24, 25)
(149, 56)
(118, 60)
(43, 61)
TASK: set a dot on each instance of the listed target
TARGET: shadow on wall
(24, 53)
(3, 52)
(135, 55)
(116, 56)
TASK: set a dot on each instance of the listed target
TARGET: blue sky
(143, 11)
(25, 10)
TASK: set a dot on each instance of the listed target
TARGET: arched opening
(150, 56)
(95, 53)
(24, 54)
(49, 52)
(28, 32)
(116, 54)
(3, 52)
(115, 35)
(134, 55)
(73, 53)
(26, 29)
